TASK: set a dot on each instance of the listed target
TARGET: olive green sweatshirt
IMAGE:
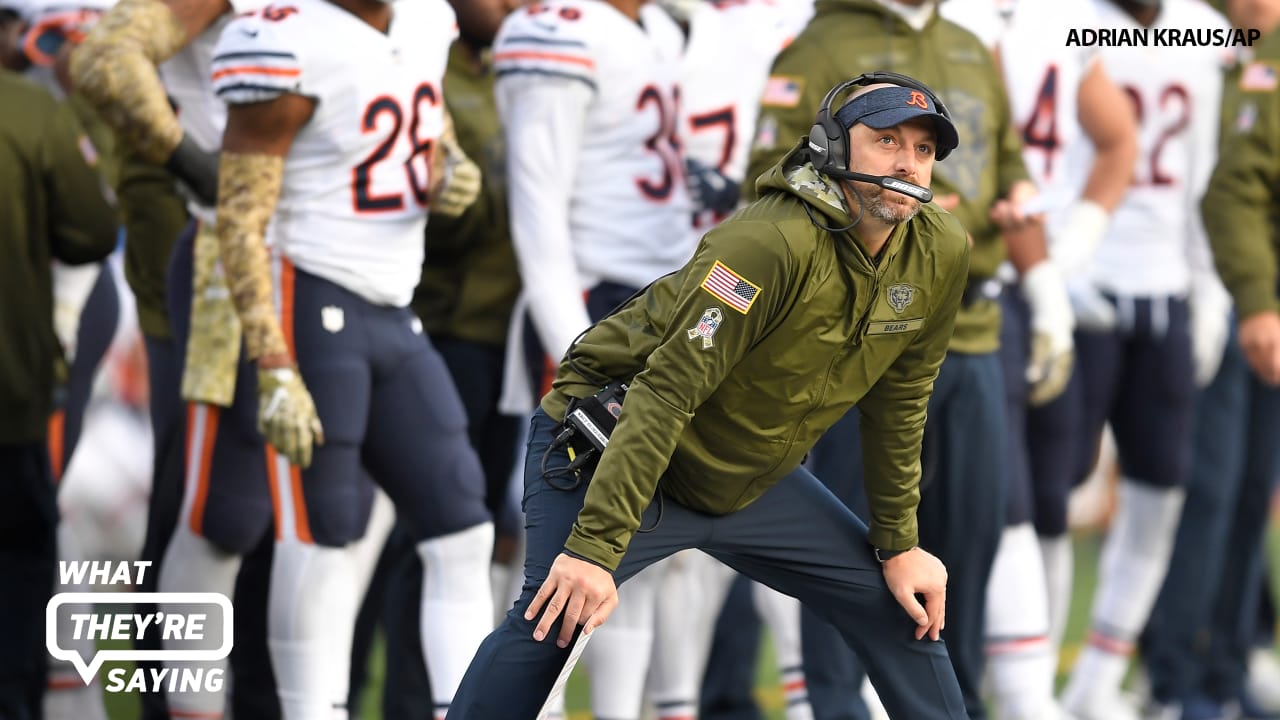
(742, 359)
(1241, 206)
(469, 277)
(847, 38)
(52, 207)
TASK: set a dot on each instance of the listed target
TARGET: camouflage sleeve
(115, 70)
(248, 189)
(893, 413)
(800, 78)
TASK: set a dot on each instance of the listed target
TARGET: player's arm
(116, 69)
(264, 116)
(1106, 116)
(544, 119)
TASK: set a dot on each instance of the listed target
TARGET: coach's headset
(829, 138)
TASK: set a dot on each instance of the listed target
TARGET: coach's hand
(917, 572)
(583, 591)
(1260, 340)
(286, 413)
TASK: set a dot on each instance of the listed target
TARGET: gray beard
(886, 213)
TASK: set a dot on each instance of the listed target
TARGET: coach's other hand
(583, 591)
(917, 572)
(286, 413)
(1260, 340)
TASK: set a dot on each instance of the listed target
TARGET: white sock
(618, 656)
(193, 564)
(310, 618)
(781, 614)
(66, 695)
(1020, 656)
(366, 551)
(1135, 558)
(1058, 557)
(875, 708)
(683, 628)
(457, 606)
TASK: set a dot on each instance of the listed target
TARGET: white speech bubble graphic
(89, 670)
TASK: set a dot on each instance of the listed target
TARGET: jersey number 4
(363, 198)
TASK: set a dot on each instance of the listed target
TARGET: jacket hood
(893, 22)
(795, 175)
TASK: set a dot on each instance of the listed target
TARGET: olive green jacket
(153, 212)
(1241, 206)
(725, 401)
(469, 278)
(52, 207)
(849, 37)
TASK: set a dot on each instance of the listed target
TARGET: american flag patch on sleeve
(732, 288)
(782, 91)
(1259, 77)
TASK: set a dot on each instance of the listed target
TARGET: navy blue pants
(1044, 458)
(227, 461)
(28, 556)
(1203, 625)
(396, 589)
(168, 425)
(728, 687)
(962, 512)
(387, 405)
(797, 538)
(98, 321)
(1139, 377)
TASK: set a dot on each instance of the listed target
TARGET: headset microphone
(888, 182)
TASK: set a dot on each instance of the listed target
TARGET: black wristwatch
(883, 555)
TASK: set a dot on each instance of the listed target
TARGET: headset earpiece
(829, 140)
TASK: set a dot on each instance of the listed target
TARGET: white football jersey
(186, 79)
(353, 205)
(1042, 77)
(589, 100)
(730, 49)
(1177, 92)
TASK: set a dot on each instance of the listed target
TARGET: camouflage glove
(461, 184)
(287, 415)
(1052, 348)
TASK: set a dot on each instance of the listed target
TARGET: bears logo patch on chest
(900, 296)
